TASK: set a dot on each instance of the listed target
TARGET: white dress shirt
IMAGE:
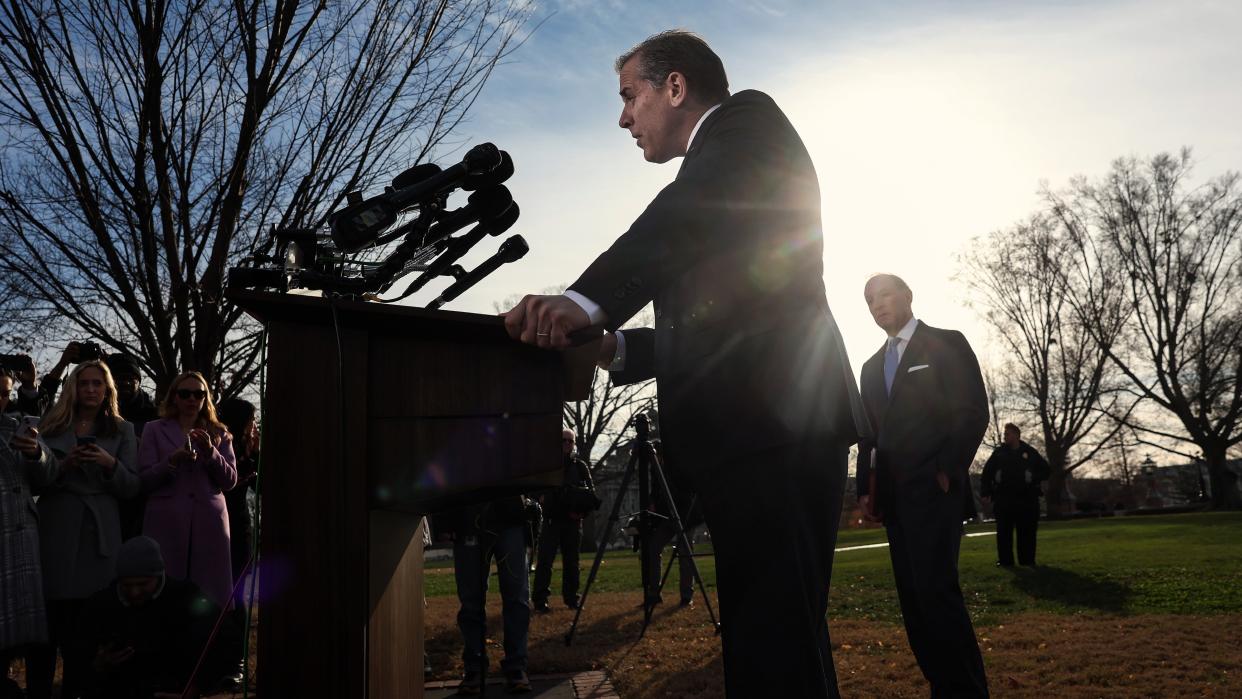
(903, 336)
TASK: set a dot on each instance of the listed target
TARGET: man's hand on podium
(545, 321)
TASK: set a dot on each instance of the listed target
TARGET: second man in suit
(926, 402)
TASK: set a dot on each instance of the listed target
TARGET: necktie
(891, 359)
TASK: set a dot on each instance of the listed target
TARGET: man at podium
(757, 399)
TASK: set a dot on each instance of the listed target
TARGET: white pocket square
(913, 369)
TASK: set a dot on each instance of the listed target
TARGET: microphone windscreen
(416, 174)
(501, 173)
(503, 221)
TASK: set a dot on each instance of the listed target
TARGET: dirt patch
(1029, 655)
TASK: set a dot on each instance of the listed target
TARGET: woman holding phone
(94, 451)
(186, 463)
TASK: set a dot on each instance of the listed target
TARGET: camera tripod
(643, 460)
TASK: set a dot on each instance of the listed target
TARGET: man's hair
(1015, 428)
(901, 283)
(680, 51)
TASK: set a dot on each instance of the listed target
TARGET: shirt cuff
(618, 359)
(593, 311)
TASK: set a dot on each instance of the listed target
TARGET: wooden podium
(431, 409)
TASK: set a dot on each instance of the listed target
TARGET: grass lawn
(1119, 607)
(1180, 564)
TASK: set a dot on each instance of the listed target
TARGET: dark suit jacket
(935, 417)
(745, 351)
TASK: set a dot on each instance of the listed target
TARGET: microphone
(497, 175)
(512, 249)
(483, 204)
(357, 225)
(455, 248)
(416, 174)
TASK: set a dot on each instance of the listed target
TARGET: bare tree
(1057, 372)
(1179, 253)
(148, 145)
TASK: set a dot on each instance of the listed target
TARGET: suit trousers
(924, 527)
(773, 518)
(1022, 515)
(566, 535)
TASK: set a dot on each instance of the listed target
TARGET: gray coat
(22, 617)
(79, 524)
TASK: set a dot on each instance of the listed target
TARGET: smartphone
(29, 424)
(86, 440)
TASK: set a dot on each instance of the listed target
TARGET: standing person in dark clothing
(138, 409)
(239, 416)
(925, 398)
(25, 464)
(731, 253)
(147, 632)
(1010, 481)
(498, 530)
(563, 511)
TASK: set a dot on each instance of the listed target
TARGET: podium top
(578, 363)
(267, 306)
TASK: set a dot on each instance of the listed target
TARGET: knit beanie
(139, 557)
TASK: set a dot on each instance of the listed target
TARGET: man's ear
(676, 89)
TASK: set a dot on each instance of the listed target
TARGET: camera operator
(500, 529)
(563, 511)
(19, 368)
(45, 395)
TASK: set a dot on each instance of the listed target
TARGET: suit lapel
(914, 349)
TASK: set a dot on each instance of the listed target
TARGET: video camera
(412, 214)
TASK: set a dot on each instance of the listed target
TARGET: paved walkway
(581, 685)
(885, 543)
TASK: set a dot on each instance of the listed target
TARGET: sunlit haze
(929, 124)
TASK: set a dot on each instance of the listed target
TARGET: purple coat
(185, 507)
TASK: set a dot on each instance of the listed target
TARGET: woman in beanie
(79, 525)
(186, 463)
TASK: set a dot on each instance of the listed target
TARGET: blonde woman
(79, 524)
(186, 462)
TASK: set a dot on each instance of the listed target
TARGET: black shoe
(516, 682)
(471, 684)
(686, 602)
(541, 606)
(573, 603)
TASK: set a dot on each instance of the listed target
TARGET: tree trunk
(1054, 494)
(1224, 483)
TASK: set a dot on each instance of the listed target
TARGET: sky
(929, 123)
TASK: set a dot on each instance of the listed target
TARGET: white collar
(907, 330)
(696, 126)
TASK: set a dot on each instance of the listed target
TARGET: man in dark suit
(925, 399)
(757, 402)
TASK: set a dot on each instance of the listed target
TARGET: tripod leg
(684, 541)
(599, 551)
